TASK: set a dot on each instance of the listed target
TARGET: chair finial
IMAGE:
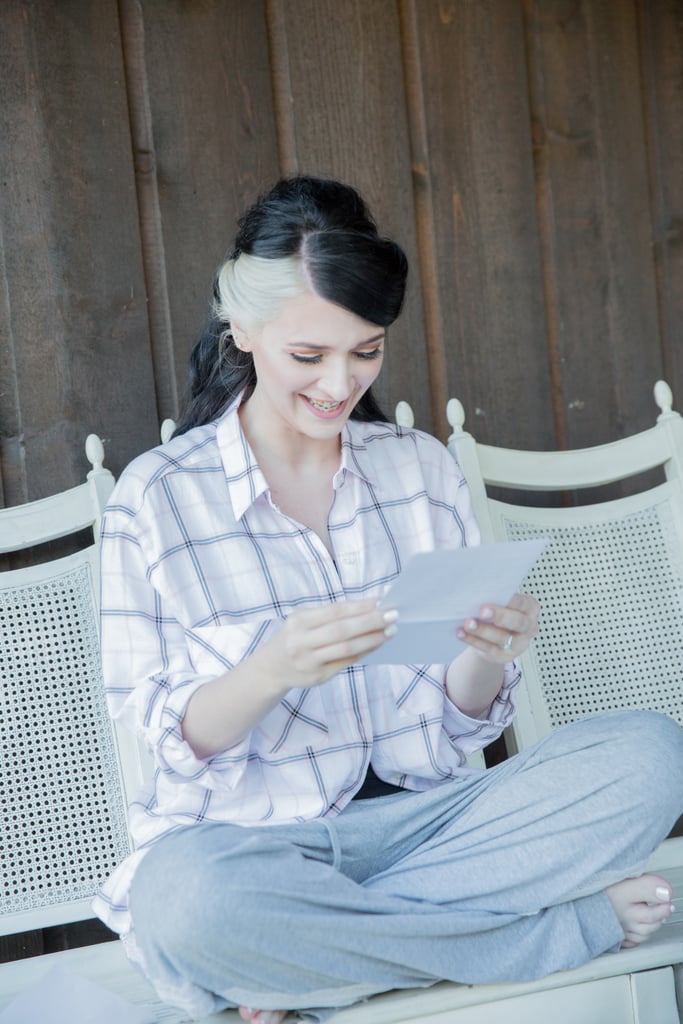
(455, 414)
(664, 398)
(94, 449)
(166, 430)
(404, 415)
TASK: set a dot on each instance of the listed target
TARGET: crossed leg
(507, 875)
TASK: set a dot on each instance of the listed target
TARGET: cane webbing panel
(611, 594)
(63, 815)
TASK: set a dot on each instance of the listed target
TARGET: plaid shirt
(199, 566)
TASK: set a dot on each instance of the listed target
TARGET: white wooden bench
(635, 986)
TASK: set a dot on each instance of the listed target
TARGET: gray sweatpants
(498, 876)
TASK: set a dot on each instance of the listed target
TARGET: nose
(338, 380)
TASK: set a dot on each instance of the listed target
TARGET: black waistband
(374, 786)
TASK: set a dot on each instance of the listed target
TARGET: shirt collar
(246, 482)
(354, 456)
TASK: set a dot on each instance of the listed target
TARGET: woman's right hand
(311, 646)
(316, 643)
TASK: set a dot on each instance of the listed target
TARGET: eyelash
(311, 360)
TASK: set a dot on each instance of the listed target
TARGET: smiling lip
(326, 410)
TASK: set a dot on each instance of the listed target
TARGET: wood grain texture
(348, 120)
(210, 147)
(528, 155)
(70, 241)
(661, 48)
(473, 161)
(592, 171)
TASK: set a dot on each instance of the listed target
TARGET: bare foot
(642, 906)
(262, 1016)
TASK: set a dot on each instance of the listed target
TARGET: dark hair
(325, 225)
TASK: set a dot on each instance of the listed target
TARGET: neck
(289, 448)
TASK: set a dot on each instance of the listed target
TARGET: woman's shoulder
(389, 436)
(188, 453)
(402, 449)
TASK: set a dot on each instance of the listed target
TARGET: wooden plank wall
(528, 154)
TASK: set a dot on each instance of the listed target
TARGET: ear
(240, 338)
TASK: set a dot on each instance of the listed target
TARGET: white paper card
(438, 590)
(62, 997)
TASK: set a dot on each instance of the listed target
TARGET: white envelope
(438, 590)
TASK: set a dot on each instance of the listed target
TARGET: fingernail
(461, 634)
(391, 615)
(471, 624)
(486, 613)
(391, 631)
(662, 894)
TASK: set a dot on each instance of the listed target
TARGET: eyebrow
(326, 348)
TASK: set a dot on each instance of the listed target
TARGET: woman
(313, 834)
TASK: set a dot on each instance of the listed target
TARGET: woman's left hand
(500, 634)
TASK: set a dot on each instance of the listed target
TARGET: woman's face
(313, 363)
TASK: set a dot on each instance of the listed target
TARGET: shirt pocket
(216, 649)
(294, 726)
(417, 692)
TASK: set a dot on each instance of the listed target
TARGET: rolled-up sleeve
(472, 734)
(149, 674)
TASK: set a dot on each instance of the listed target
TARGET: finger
(319, 653)
(504, 637)
(335, 611)
(495, 620)
(343, 644)
(329, 660)
(493, 651)
(340, 655)
(346, 627)
(526, 603)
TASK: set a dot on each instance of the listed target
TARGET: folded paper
(438, 590)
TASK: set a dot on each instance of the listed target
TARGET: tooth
(324, 406)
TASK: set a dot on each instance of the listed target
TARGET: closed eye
(306, 359)
(375, 353)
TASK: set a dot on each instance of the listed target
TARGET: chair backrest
(67, 775)
(610, 582)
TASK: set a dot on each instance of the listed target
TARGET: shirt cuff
(174, 755)
(471, 734)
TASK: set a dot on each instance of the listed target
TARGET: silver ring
(507, 646)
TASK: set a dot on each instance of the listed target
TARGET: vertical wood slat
(424, 208)
(13, 489)
(282, 87)
(348, 116)
(76, 315)
(151, 237)
(544, 207)
(632, 304)
(485, 237)
(207, 75)
(591, 173)
(661, 50)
